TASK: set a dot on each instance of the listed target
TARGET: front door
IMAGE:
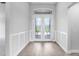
(42, 28)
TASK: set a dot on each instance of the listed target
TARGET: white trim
(17, 33)
(32, 31)
(65, 50)
(64, 33)
(23, 45)
(72, 51)
(16, 54)
(43, 40)
(22, 48)
(42, 8)
(72, 4)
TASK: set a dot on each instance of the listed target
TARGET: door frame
(32, 32)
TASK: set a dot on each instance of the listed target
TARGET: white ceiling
(43, 3)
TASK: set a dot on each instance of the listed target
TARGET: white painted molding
(16, 54)
(72, 51)
(64, 33)
(43, 40)
(72, 4)
(18, 33)
(65, 50)
(22, 48)
(24, 44)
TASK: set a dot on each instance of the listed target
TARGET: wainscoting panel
(62, 40)
(17, 42)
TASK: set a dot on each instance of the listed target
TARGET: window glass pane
(38, 27)
(47, 27)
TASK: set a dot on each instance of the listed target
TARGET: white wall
(2, 21)
(62, 24)
(16, 26)
(17, 19)
(2, 29)
(67, 26)
(73, 15)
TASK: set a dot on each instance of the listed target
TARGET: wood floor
(43, 49)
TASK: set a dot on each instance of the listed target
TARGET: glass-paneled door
(42, 27)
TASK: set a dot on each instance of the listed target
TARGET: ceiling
(43, 3)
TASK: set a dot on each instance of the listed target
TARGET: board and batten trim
(18, 35)
(62, 33)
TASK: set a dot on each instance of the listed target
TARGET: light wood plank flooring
(43, 49)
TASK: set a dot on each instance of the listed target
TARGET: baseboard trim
(18, 36)
(65, 50)
(42, 40)
(73, 51)
(22, 48)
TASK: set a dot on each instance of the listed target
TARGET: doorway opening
(42, 25)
